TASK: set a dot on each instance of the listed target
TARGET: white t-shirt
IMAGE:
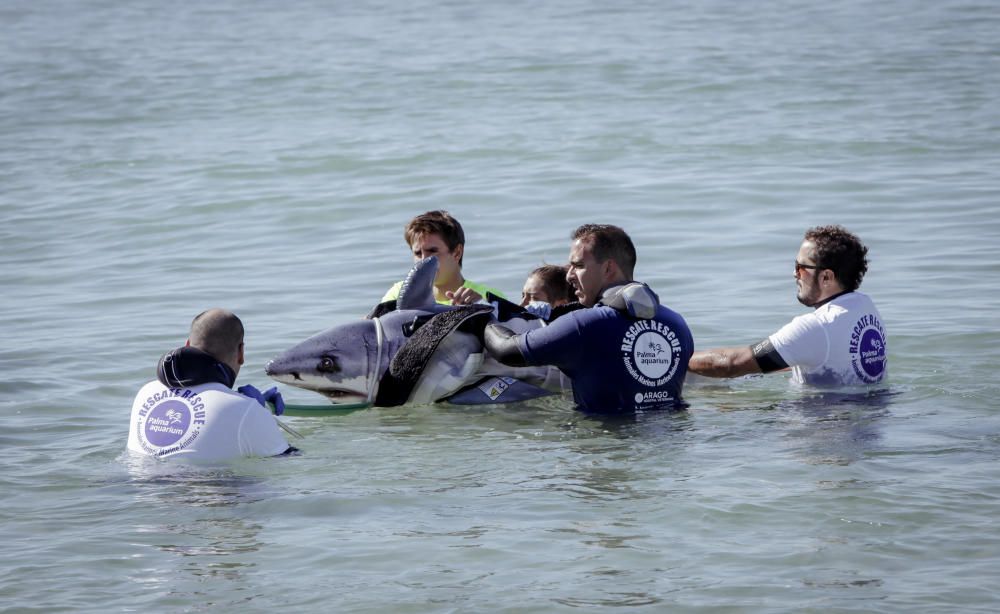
(841, 343)
(208, 422)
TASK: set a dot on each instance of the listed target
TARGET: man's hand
(464, 296)
(271, 394)
(501, 343)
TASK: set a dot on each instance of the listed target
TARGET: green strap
(329, 409)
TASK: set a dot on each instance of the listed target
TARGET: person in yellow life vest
(437, 233)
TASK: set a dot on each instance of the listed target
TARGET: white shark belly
(452, 366)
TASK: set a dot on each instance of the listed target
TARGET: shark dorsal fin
(417, 291)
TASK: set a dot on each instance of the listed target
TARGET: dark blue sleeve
(560, 343)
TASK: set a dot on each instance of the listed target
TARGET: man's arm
(736, 361)
(501, 343)
(559, 344)
(723, 362)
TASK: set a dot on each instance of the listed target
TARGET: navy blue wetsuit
(618, 363)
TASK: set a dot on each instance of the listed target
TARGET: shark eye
(327, 364)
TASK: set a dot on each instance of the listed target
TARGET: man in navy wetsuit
(624, 351)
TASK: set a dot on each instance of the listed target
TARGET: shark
(414, 351)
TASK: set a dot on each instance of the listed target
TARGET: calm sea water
(161, 158)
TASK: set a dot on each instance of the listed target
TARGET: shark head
(340, 363)
(346, 363)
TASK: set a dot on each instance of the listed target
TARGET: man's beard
(807, 294)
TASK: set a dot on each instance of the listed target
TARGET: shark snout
(273, 369)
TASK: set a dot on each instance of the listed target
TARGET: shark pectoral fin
(410, 362)
(451, 367)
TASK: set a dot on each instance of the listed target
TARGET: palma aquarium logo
(650, 352)
(868, 349)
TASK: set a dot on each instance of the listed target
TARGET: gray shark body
(412, 353)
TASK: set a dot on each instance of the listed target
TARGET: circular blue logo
(868, 349)
(872, 350)
(167, 423)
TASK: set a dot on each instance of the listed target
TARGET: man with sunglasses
(841, 343)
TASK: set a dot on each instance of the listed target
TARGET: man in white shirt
(841, 343)
(191, 411)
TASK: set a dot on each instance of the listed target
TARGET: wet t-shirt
(841, 343)
(208, 422)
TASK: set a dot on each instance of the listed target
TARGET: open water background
(160, 158)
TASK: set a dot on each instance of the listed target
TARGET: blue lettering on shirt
(617, 363)
(867, 348)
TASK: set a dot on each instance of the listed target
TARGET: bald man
(191, 412)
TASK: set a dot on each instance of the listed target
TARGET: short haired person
(840, 343)
(624, 351)
(190, 410)
(437, 233)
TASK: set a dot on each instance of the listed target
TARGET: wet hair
(217, 332)
(553, 278)
(436, 222)
(840, 251)
(607, 241)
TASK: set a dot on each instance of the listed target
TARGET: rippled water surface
(161, 158)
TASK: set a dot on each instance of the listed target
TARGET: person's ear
(239, 358)
(187, 343)
(459, 251)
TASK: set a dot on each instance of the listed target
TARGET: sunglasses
(799, 266)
